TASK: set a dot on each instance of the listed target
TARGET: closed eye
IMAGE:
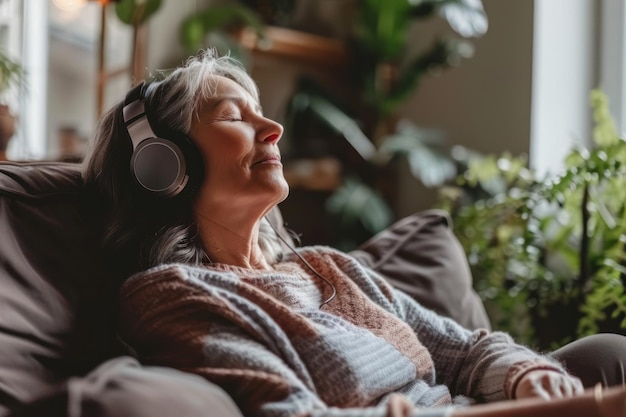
(224, 119)
(229, 116)
(229, 113)
(234, 109)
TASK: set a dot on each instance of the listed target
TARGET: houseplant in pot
(548, 255)
(360, 127)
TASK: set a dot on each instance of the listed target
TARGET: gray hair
(188, 86)
(142, 231)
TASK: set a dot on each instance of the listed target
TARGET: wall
(164, 50)
(485, 103)
(613, 59)
(525, 91)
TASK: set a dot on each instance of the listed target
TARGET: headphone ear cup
(194, 162)
(159, 167)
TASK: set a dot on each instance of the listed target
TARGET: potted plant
(361, 127)
(548, 255)
(214, 26)
(136, 13)
(11, 74)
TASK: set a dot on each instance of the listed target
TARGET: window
(578, 45)
(59, 50)
(613, 59)
(564, 68)
(11, 44)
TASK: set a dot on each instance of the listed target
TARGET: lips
(268, 159)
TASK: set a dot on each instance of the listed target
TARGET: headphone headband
(134, 116)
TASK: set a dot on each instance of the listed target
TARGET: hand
(548, 385)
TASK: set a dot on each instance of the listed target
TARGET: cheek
(224, 153)
(226, 142)
(224, 167)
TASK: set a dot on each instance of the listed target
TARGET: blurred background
(388, 105)
(488, 77)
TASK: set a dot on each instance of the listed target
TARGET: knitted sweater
(262, 337)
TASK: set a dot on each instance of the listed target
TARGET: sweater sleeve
(171, 319)
(481, 364)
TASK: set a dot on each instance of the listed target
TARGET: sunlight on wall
(563, 76)
(613, 59)
(35, 61)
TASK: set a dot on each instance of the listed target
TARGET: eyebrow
(238, 100)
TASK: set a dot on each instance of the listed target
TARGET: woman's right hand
(548, 384)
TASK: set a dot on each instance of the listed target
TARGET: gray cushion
(420, 255)
(121, 387)
(50, 326)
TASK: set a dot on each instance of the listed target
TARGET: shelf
(323, 174)
(292, 44)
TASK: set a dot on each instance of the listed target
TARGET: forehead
(223, 90)
(225, 87)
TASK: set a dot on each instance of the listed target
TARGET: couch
(58, 352)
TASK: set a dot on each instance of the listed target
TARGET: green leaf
(357, 202)
(465, 17)
(442, 54)
(408, 136)
(383, 27)
(576, 157)
(422, 8)
(11, 72)
(340, 122)
(604, 133)
(136, 12)
(427, 164)
(430, 167)
(195, 27)
(192, 33)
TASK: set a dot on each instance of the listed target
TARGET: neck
(3, 156)
(232, 238)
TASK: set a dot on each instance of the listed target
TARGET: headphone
(163, 167)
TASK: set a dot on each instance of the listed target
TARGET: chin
(284, 192)
(278, 188)
(284, 196)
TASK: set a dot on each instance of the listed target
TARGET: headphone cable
(309, 266)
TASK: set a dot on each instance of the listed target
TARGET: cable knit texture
(262, 337)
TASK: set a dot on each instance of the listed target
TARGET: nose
(269, 131)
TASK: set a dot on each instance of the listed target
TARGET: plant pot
(7, 126)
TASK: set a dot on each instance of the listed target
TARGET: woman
(307, 332)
